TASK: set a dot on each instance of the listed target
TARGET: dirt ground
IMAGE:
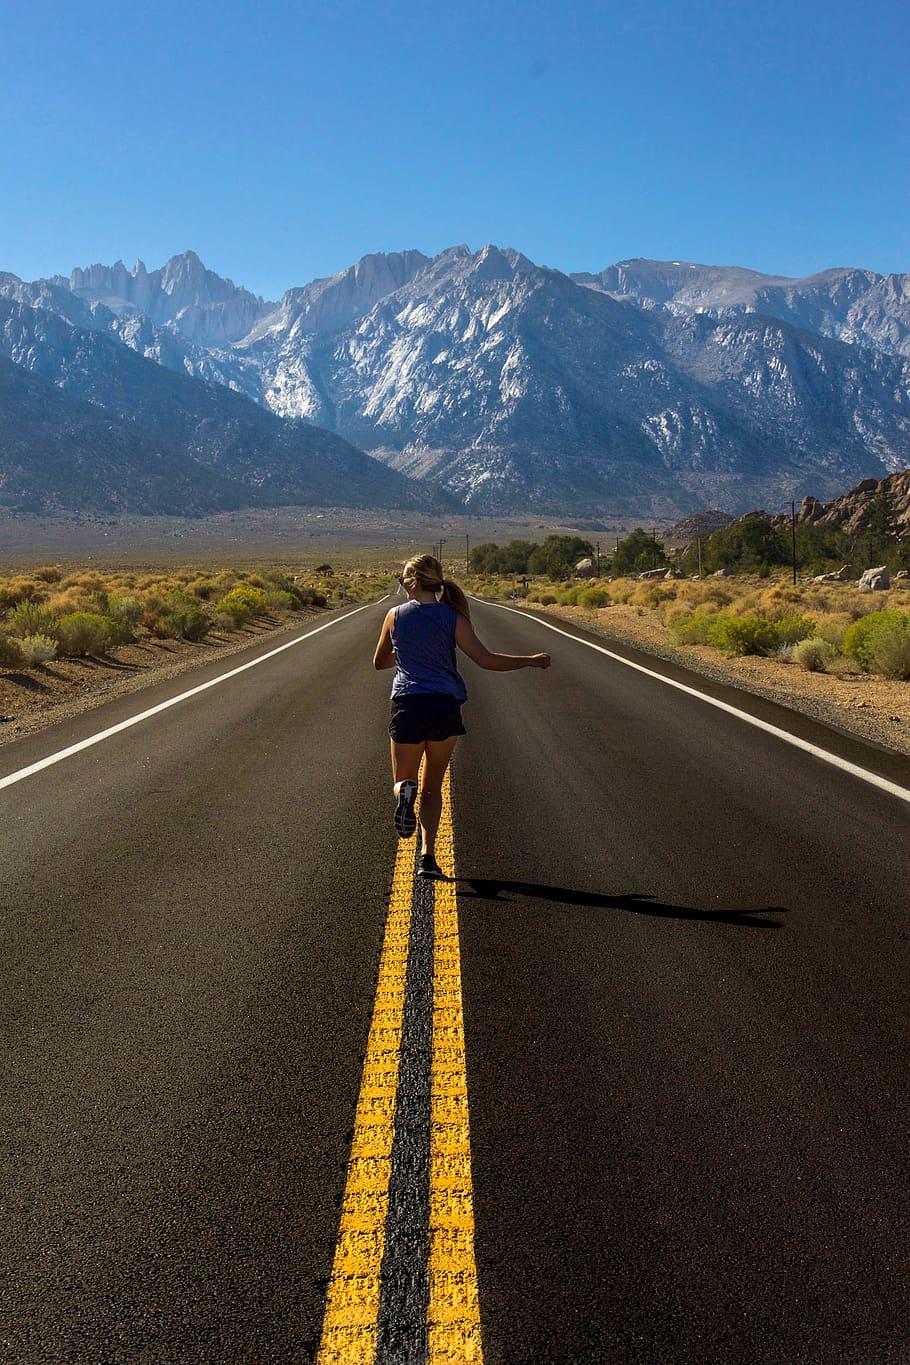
(873, 708)
(285, 535)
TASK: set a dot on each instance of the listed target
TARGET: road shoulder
(871, 709)
(32, 700)
(857, 749)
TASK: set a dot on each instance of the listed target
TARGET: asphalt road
(683, 954)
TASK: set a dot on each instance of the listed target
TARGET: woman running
(418, 640)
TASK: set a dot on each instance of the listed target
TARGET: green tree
(484, 557)
(558, 555)
(878, 542)
(638, 552)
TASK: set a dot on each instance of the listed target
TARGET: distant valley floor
(348, 536)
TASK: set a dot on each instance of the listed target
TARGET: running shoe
(428, 867)
(405, 819)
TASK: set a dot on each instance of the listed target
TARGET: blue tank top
(423, 637)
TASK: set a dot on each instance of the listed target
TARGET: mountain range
(472, 379)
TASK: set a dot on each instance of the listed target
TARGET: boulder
(810, 510)
(875, 580)
(656, 573)
(585, 568)
(722, 573)
(902, 575)
(839, 577)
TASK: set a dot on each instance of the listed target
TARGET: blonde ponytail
(426, 571)
(452, 594)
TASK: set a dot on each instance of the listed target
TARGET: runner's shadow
(633, 903)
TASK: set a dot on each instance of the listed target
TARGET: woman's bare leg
(438, 755)
(406, 761)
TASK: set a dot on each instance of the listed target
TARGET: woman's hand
(539, 661)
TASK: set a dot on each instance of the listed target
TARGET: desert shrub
(814, 654)
(742, 634)
(83, 632)
(569, 598)
(880, 642)
(167, 626)
(27, 618)
(548, 599)
(254, 597)
(311, 598)
(181, 618)
(592, 598)
(224, 621)
(88, 582)
(278, 600)
(892, 654)
(152, 610)
(832, 627)
(48, 573)
(236, 606)
(71, 599)
(647, 594)
(841, 664)
(14, 590)
(123, 612)
(695, 627)
(203, 588)
(10, 652)
(38, 649)
(791, 629)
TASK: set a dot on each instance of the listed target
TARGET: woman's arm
(384, 657)
(469, 644)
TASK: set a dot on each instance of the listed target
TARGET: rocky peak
(852, 305)
(852, 510)
(491, 263)
(182, 294)
(331, 303)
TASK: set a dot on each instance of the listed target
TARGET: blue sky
(283, 140)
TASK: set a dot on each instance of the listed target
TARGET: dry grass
(50, 619)
(825, 611)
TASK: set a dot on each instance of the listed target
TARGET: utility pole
(793, 536)
(439, 556)
(698, 538)
(467, 554)
(597, 556)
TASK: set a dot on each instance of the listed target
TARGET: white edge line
(865, 774)
(61, 754)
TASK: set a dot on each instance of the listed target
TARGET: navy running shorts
(419, 716)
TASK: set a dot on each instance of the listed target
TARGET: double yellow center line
(404, 1279)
